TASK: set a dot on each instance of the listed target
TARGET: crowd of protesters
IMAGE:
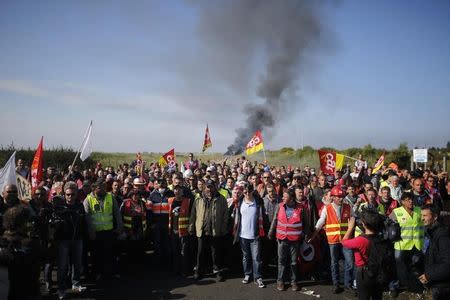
(241, 216)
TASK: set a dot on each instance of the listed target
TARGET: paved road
(155, 283)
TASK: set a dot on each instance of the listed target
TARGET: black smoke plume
(281, 33)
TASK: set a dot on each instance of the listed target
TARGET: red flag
(327, 161)
(207, 142)
(330, 161)
(168, 158)
(36, 166)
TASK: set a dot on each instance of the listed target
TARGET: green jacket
(219, 216)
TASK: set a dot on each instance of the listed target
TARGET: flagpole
(264, 153)
(349, 157)
(75, 159)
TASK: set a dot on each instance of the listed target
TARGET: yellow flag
(339, 161)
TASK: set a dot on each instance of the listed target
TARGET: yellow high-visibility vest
(412, 230)
(102, 217)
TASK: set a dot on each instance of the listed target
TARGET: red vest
(183, 216)
(131, 211)
(291, 229)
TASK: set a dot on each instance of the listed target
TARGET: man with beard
(437, 255)
(387, 203)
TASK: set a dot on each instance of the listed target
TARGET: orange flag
(167, 159)
(207, 142)
(36, 166)
(256, 143)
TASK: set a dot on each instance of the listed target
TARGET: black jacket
(69, 222)
(437, 256)
(23, 257)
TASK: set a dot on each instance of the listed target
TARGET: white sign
(420, 155)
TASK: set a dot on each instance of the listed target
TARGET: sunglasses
(70, 194)
(11, 192)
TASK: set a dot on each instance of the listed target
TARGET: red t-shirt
(360, 245)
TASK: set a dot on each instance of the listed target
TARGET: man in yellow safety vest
(408, 251)
(104, 224)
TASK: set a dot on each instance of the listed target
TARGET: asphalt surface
(150, 282)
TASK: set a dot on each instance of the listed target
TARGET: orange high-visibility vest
(334, 229)
(159, 208)
(183, 216)
(291, 228)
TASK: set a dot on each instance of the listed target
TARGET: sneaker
(260, 283)
(48, 286)
(78, 288)
(61, 295)
(219, 277)
(246, 279)
(420, 296)
(336, 289)
(393, 293)
(280, 286)
(294, 286)
(197, 276)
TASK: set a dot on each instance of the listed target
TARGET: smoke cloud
(245, 34)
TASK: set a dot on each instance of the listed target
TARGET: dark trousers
(179, 248)
(406, 275)
(69, 254)
(160, 232)
(367, 287)
(287, 260)
(103, 253)
(440, 293)
(232, 255)
(215, 244)
(269, 254)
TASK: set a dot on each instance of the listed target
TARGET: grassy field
(273, 157)
(63, 157)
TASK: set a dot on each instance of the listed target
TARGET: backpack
(381, 262)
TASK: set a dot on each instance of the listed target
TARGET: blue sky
(139, 70)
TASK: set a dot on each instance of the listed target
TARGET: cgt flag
(167, 159)
(256, 144)
(378, 164)
(36, 166)
(330, 161)
(207, 142)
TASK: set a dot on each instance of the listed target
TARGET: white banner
(420, 155)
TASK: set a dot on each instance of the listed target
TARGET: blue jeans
(251, 255)
(287, 259)
(69, 252)
(335, 252)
